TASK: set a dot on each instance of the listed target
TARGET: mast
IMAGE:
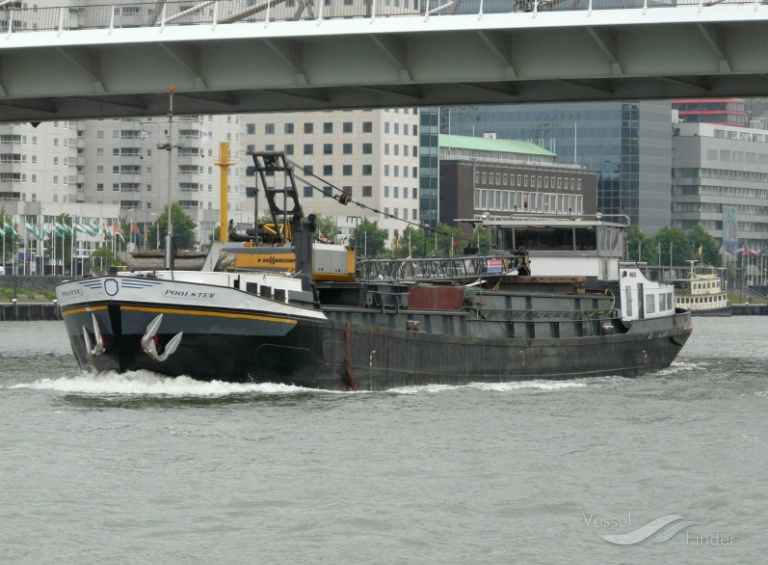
(169, 235)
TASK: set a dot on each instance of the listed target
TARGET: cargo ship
(549, 301)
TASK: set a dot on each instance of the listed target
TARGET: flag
(80, 228)
(698, 253)
(32, 230)
(322, 238)
(204, 136)
(9, 229)
(144, 135)
(134, 228)
(732, 247)
(92, 229)
(61, 230)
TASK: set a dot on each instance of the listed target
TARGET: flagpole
(4, 238)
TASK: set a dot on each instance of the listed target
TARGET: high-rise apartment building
(125, 165)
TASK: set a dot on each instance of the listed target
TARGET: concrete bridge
(238, 56)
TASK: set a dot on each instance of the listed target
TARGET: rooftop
(466, 143)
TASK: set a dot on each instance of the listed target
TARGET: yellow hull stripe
(186, 312)
(82, 310)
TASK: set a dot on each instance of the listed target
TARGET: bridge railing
(19, 17)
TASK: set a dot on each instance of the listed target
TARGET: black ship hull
(341, 353)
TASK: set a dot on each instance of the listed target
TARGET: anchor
(148, 341)
(100, 346)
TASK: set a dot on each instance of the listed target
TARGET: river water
(142, 469)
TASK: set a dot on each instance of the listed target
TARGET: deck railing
(18, 17)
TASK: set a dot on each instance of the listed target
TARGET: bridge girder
(390, 62)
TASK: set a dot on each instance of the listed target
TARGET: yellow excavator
(269, 246)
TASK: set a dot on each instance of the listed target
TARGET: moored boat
(550, 301)
(701, 292)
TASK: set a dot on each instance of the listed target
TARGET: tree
(710, 252)
(640, 247)
(443, 240)
(369, 238)
(675, 247)
(101, 260)
(183, 228)
(326, 226)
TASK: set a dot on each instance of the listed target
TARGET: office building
(628, 145)
(488, 177)
(372, 155)
(720, 181)
(723, 111)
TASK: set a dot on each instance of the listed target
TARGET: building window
(288, 128)
(346, 170)
(327, 170)
(307, 192)
(328, 127)
(327, 191)
(367, 191)
(347, 127)
(346, 149)
(367, 148)
(308, 149)
(367, 127)
(250, 129)
(289, 149)
(367, 170)
(269, 129)
(327, 148)
(309, 127)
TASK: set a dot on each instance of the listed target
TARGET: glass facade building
(429, 168)
(628, 145)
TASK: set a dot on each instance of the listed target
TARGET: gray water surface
(138, 468)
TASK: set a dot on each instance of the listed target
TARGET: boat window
(545, 238)
(650, 304)
(586, 238)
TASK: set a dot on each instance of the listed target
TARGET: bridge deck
(238, 56)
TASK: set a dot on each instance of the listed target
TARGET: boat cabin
(588, 248)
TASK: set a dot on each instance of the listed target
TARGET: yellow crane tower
(224, 162)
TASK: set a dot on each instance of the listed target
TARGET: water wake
(493, 387)
(146, 383)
